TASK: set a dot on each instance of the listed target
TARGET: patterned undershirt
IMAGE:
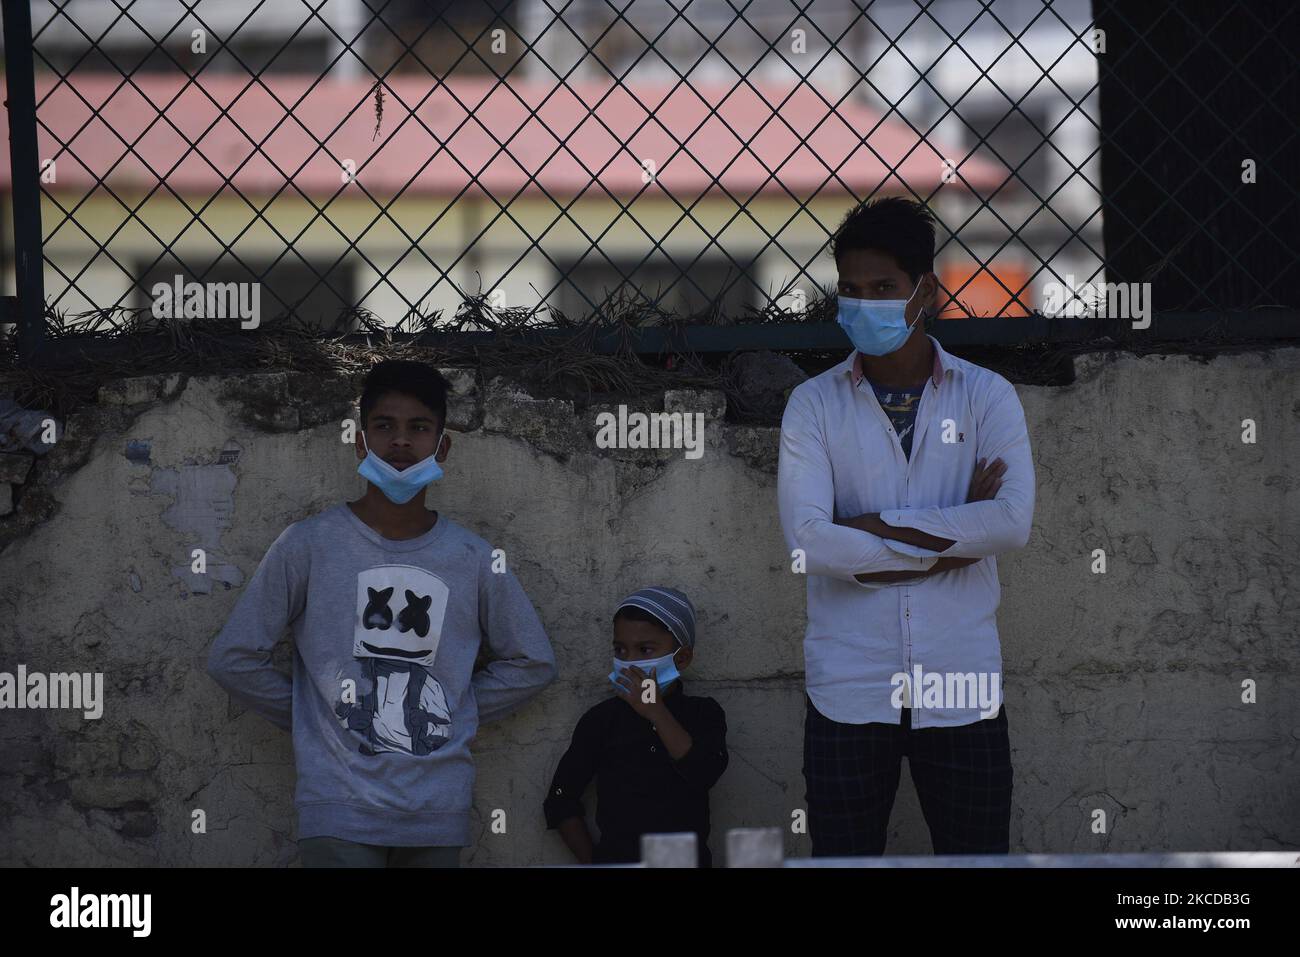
(901, 405)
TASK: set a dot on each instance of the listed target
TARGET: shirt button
(652, 747)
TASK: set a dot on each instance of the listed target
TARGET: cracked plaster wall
(1122, 690)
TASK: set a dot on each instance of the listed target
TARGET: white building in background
(1015, 74)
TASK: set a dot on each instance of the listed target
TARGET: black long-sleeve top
(640, 789)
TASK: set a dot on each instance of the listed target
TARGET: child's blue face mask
(400, 485)
(666, 674)
(876, 327)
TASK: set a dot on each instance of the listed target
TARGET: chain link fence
(360, 165)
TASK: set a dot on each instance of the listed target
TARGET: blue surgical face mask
(666, 674)
(876, 326)
(400, 485)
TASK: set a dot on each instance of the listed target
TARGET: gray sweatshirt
(383, 702)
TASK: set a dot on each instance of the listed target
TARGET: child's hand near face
(632, 688)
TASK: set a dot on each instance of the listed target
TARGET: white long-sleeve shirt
(841, 458)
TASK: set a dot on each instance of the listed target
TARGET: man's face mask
(877, 327)
(400, 485)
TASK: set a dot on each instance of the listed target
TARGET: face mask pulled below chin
(666, 674)
(876, 327)
(400, 485)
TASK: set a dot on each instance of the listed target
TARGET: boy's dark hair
(416, 379)
(633, 613)
(895, 225)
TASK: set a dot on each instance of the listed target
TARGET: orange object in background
(984, 296)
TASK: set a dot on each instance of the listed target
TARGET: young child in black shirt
(654, 750)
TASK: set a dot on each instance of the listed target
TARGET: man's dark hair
(894, 225)
(416, 379)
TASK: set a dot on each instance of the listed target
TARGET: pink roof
(837, 141)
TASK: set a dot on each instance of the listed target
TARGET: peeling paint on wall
(203, 508)
(137, 451)
(1124, 689)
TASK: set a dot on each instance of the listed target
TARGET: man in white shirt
(903, 471)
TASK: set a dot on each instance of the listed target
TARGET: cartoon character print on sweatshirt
(398, 625)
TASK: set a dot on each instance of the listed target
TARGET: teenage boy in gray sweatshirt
(389, 604)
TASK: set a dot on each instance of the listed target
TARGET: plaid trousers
(962, 775)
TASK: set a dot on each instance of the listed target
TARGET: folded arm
(806, 499)
(976, 529)
(705, 756)
(940, 565)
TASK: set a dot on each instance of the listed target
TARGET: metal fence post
(24, 170)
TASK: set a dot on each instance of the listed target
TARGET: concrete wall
(1124, 690)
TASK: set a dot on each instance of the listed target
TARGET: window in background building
(288, 285)
(1016, 137)
(662, 280)
(242, 55)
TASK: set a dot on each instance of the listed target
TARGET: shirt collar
(942, 364)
